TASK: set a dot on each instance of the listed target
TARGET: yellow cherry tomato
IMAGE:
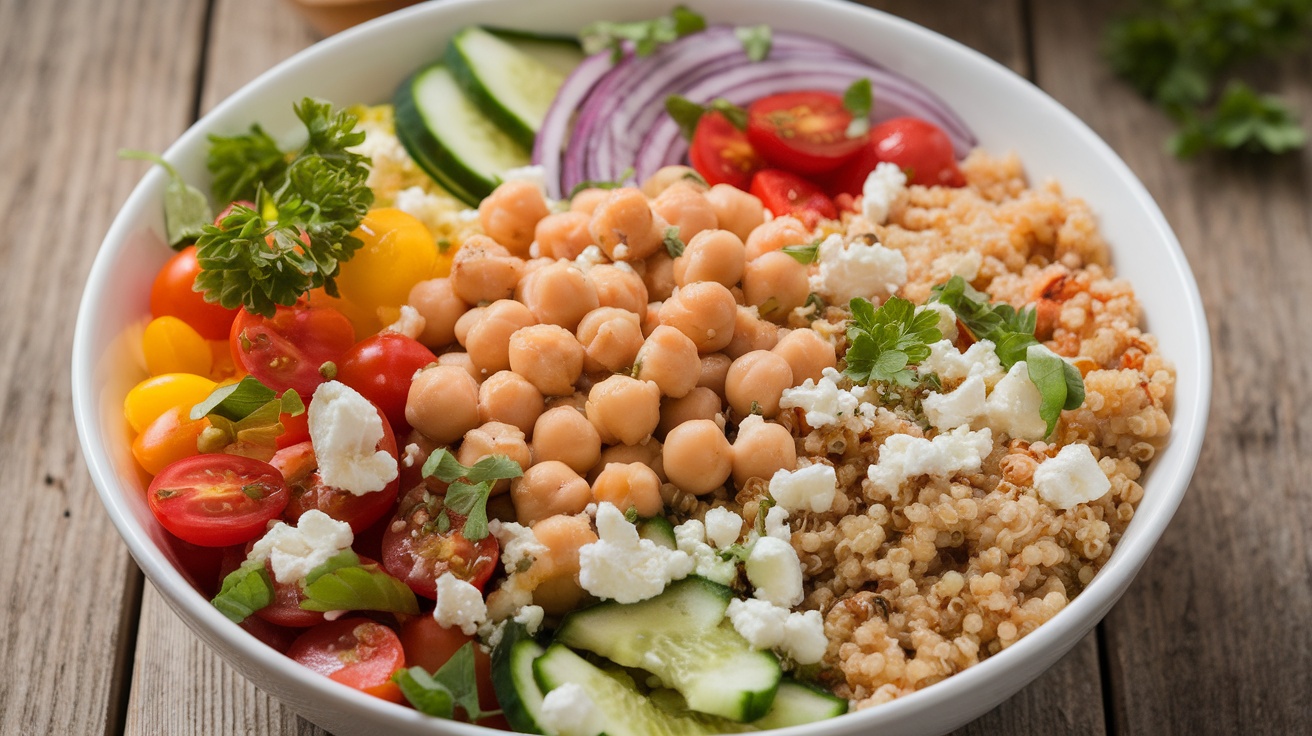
(154, 396)
(398, 252)
(171, 437)
(173, 346)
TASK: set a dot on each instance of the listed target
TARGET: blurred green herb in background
(1184, 54)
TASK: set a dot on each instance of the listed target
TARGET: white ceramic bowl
(366, 63)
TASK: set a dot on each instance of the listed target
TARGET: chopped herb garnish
(453, 685)
(804, 254)
(468, 488)
(624, 176)
(245, 418)
(1060, 384)
(673, 245)
(687, 113)
(358, 588)
(646, 35)
(245, 591)
(883, 342)
(756, 40)
(859, 98)
(186, 209)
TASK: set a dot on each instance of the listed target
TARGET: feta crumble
(947, 319)
(1070, 478)
(776, 524)
(903, 457)
(531, 618)
(1013, 406)
(345, 429)
(568, 711)
(849, 270)
(950, 364)
(957, 408)
(723, 526)
(806, 489)
(798, 635)
(533, 174)
(882, 187)
(411, 323)
(775, 572)
(459, 604)
(690, 537)
(294, 551)
(519, 545)
(824, 402)
(624, 567)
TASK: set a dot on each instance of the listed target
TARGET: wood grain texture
(1213, 636)
(80, 78)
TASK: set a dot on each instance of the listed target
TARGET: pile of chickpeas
(608, 373)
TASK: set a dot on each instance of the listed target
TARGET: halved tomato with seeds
(217, 500)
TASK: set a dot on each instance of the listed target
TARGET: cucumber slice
(625, 711)
(681, 636)
(510, 86)
(562, 53)
(512, 678)
(797, 703)
(450, 139)
(658, 530)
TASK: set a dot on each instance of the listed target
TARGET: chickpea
(466, 321)
(669, 359)
(619, 286)
(700, 403)
(684, 207)
(576, 401)
(511, 213)
(611, 339)
(564, 434)
(759, 377)
(547, 489)
(776, 284)
(750, 332)
(659, 276)
(647, 453)
(652, 320)
(508, 397)
(624, 227)
(715, 368)
(563, 235)
(559, 294)
(440, 308)
(667, 176)
(774, 235)
(488, 339)
(587, 201)
(532, 265)
(461, 361)
(697, 456)
(736, 211)
(442, 403)
(484, 271)
(807, 353)
(713, 255)
(624, 410)
(705, 312)
(629, 486)
(760, 449)
(556, 571)
(548, 356)
(495, 438)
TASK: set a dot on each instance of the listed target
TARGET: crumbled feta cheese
(824, 402)
(950, 364)
(531, 617)
(467, 215)
(411, 323)
(459, 604)
(804, 637)
(690, 537)
(1072, 477)
(532, 174)
(1013, 406)
(849, 270)
(964, 263)
(413, 454)
(723, 526)
(622, 566)
(568, 711)
(519, 545)
(806, 489)
(433, 210)
(775, 572)
(294, 551)
(883, 185)
(621, 252)
(345, 429)
(798, 635)
(776, 524)
(947, 319)
(902, 456)
(958, 407)
(591, 256)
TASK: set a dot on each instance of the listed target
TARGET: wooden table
(1215, 635)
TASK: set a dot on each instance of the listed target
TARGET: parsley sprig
(307, 204)
(884, 342)
(468, 488)
(452, 685)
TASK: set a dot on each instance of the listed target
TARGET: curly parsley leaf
(452, 685)
(883, 342)
(244, 591)
(756, 41)
(186, 210)
(239, 164)
(646, 35)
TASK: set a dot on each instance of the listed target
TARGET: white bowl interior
(365, 64)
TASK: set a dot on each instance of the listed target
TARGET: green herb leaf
(359, 588)
(344, 558)
(494, 468)
(470, 501)
(673, 245)
(687, 113)
(647, 36)
(426, 694)
(239, 164)
(444, 466)
(804, 254)
(186, 209)
(1059, 384)
(859, 98)
(763, 507)
(1011, 332)
(624, 176)
(235, 401)
(738, 552)
(883, 342)
(458, 677)
(756, 40)
(244, 591)
(245, 418)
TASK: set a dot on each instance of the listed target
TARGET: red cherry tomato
(381, 369)
(300, 468)
(295, 429)
(279, 638)
(428, 644)
(287, 350)
(788, 194)
(171, 295)
(850, 178)
(721, 153)
(217, 500)
(919, 148)
(357, 652)
(802, 132)
(417, 553)
(284, 611)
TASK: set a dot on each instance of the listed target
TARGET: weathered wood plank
(1213, 636)
(80, 79)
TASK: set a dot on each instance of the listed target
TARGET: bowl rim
(1081, 613)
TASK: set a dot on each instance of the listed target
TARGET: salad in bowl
(683, 374)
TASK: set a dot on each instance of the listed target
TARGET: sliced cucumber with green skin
(659, 530)
(682, 637)
(796, 703)
(512, 87)
(562, 53)
(449, 138)
(512, 678)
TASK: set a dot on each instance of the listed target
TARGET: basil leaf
(359, 588)
(186, 208)
(345, 558)
(444, 466)
(457, 676)
(673, 245)
(1049, 372)
(244, 591)
(424, 693)
(756, 40)
(1074, 386)
(235, 401)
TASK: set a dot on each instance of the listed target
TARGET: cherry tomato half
(357, 652)
(300, 468)
(287, 350)
(381, 369)
(417, 553)
(284, 611)
(788, 194)
(171, 295)
(802, 132)
(721, 153)
(217, 500)
(168, 439)
(919, 148)
(429, 644)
